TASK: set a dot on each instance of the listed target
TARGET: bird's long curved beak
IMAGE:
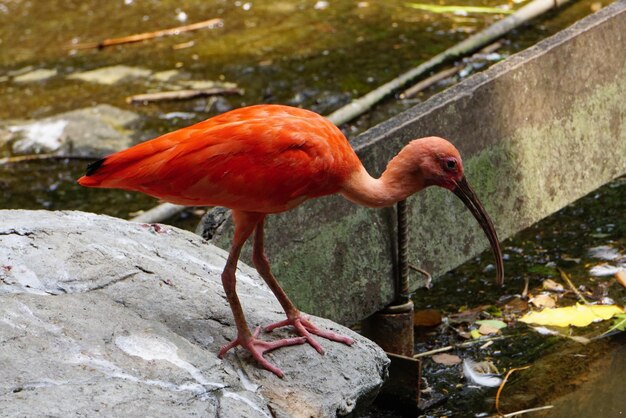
(469, 198)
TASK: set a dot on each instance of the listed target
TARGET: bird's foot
(258, 347)
(305, 328)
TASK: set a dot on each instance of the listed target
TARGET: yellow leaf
(578, 315)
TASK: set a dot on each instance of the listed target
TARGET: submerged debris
(478, 374)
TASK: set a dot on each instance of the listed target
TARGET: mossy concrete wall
(536, 131)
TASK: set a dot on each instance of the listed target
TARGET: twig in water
(182, 94)
(462, 345)
(504, 383)
(211, 23)
(443, 74)
(490, 48)
(525, 291)
(435, 351)
(427, 82)
(565, 277)
(474, 42)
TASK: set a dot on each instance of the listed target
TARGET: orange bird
(268, 159)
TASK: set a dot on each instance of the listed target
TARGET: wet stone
(93, 131)
(111, 75)
(205, 84)
(102, 316)
(36, 75)
(168, 75)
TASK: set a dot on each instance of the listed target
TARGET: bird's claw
(258, 347)
(305, 328)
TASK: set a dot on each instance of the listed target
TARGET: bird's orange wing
(263, 159)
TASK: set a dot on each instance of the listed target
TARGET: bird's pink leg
(295, 318)
(244, 225)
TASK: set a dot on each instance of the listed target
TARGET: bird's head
(436, 162)
(439, 162)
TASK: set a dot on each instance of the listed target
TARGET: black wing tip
(93, 167)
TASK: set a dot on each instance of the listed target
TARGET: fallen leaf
(487, 329)
(516, 305)
(467, 315)
(426, 318)
(577, 315)
(494, 323)
(543, 301)
(620, 276)
(446, 359)
(475, 334)
(553, 286)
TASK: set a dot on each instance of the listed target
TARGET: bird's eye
(450, 164)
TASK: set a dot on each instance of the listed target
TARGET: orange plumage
(266, 159)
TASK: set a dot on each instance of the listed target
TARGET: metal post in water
(392, 328)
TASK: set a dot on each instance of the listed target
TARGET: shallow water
(562, 370)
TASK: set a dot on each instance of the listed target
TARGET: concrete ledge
(537, 131)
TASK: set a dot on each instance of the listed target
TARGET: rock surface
(99, 316)
(40, 74)
(90, 132)
(111, 75)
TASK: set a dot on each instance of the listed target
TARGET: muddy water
(310, 53)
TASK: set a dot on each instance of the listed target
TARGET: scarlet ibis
(267, 159)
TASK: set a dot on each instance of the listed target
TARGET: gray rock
(111, 75)
(20, 71)
(168, 75)
(40, 74)
(100, 316)
(93, 131)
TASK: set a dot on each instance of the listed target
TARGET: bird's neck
(385, 191)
